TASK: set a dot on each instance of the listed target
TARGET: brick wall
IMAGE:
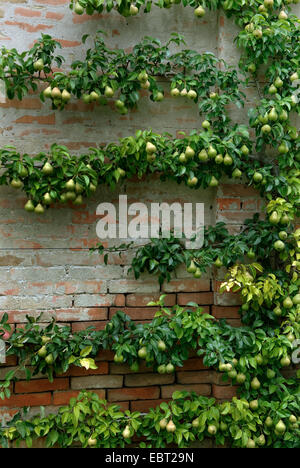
(44, 261)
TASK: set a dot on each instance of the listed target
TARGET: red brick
(41, 385)
(10, 361)
(194, 377)
(26, 103)
(34, 399)
(75, 371)
(27, 13)
(224, 392)
(202, 389)
(233, 217)
(250, 205)
(193, 365)
(141, 300)
(94, 314)
(140, 393)
(116, 368)
(40, 119)
(228, 204)
(198, 298)
(187, 285)
(225, 312)
(140, 380)
(63, 398)
(65, 43)
(78, 326)
(124, 405)
(234, 322)
(238, 190)
(105, 355)
(143, 406)
(52, 2)
(119, 300)
(54, 16)
(136, 313)
(28, 27)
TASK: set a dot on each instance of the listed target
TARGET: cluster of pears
(268, 118)
(72, 192)
(232, 373)
(150, 151)
(287, 303)
(95, 96)
(169, 426)
(280, 427)
(279, 218)
(16, 181)
(59, 98)
(191, 93)
(279, 244)
(143, 79)
(38, 65)
(43, 352)
(194, 269)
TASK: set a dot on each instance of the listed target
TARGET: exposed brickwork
(69, 283)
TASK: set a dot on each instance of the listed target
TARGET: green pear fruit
(212, 152)
(189, 152)
(283, 235)
(269, 422)
(70, 185)
(47, 169)
(42, 352)
(203, 156)
(38, 65)
(47, 199)
(142, 352)
(278, 82)
(274, 218)
(66, 96)
(192, 94)
(47, 92)
(228, 161)
(56, 93)
(199, 11)
(170, 368)
(273, 116)
(279, 245)
(133, 10)
(254, 405)
(251, 443)
(191, 268)
(29, 206)
(218, 263)
(280, 427)
(287, 303)
(206, 124)
(79, 10)
(266, 128)
(161, 345)
(257, 177)
(39, 209)
(150, 148)
(236, 173)
(16, 183)
(255, 383)
(170, 427)
(175, 92)
(285, 361)
(213, 182)
(108, 92)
